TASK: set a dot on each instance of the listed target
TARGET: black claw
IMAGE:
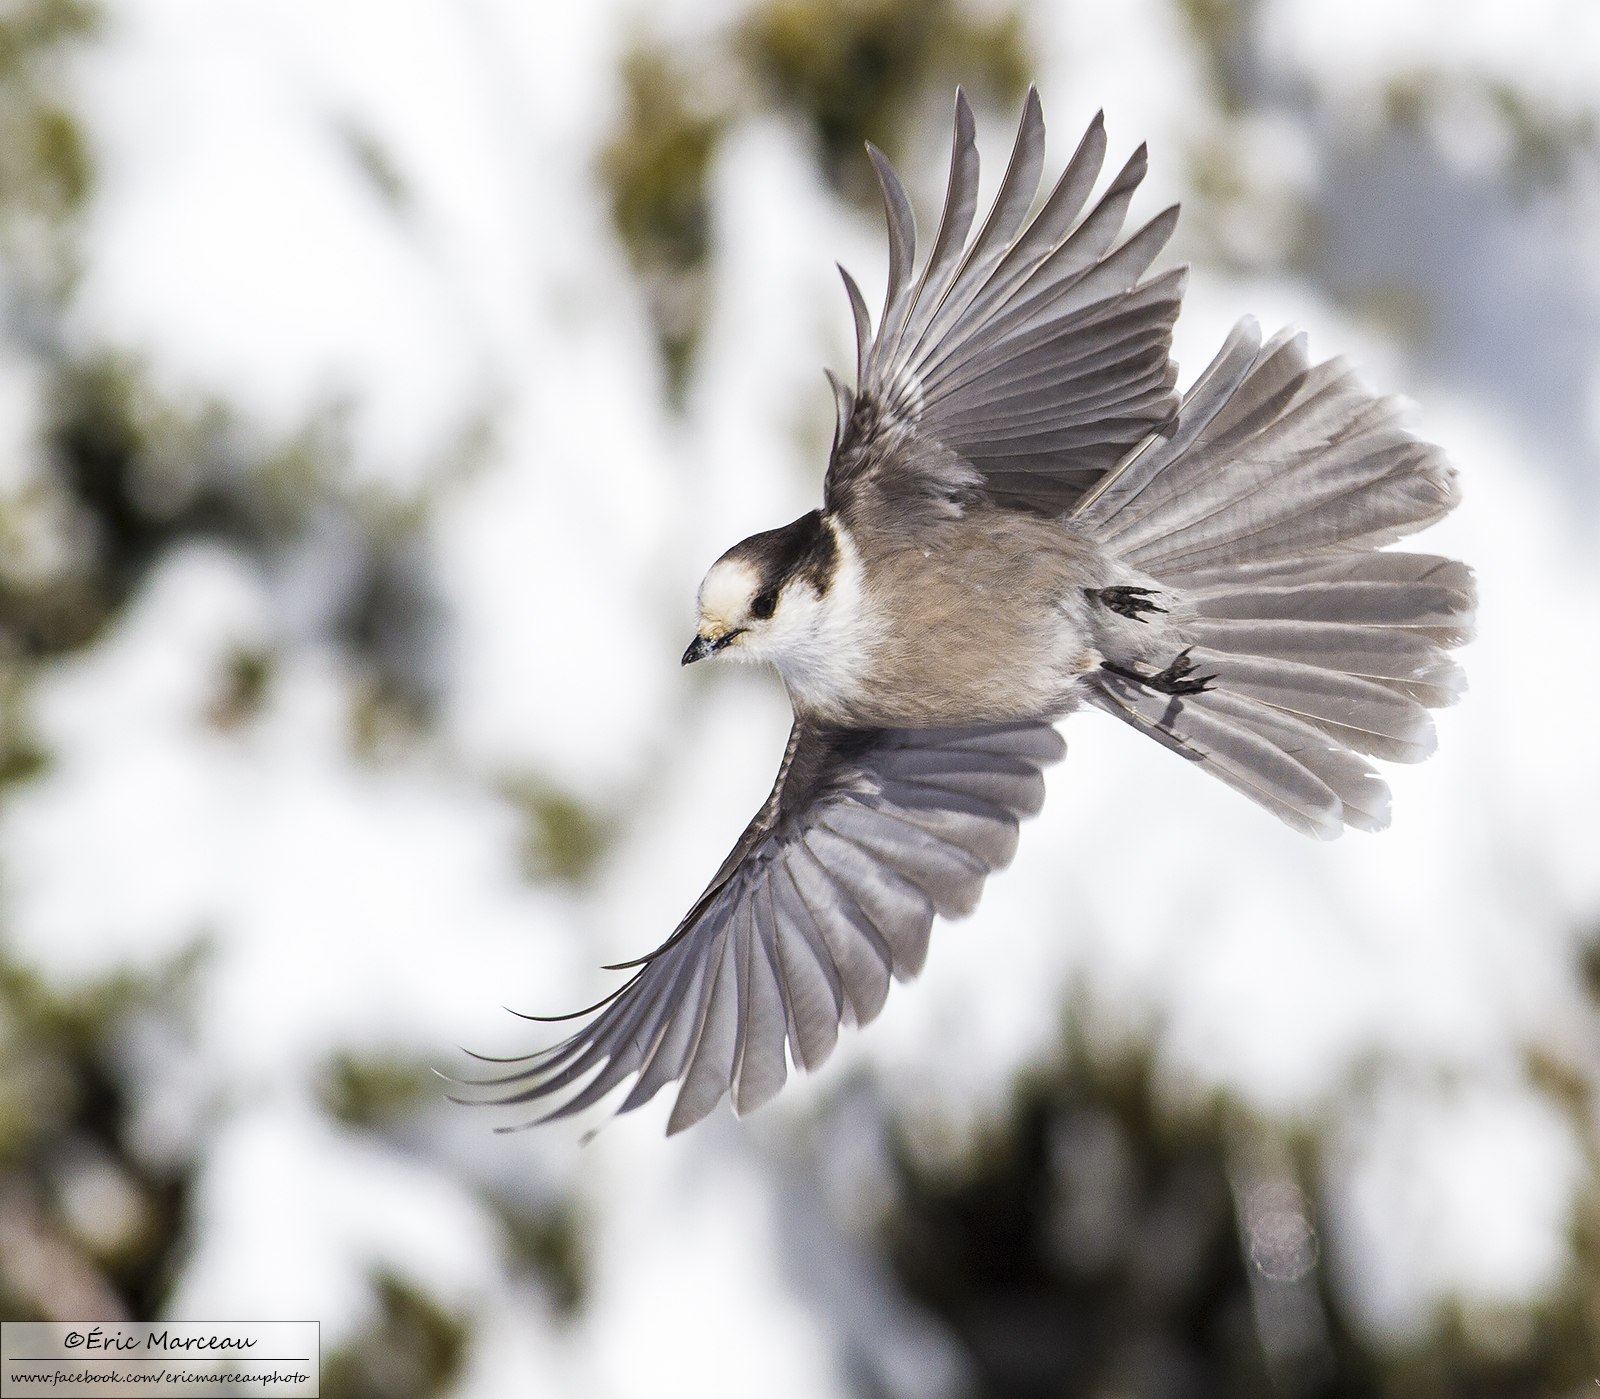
(1177, 679)
(1126, 602)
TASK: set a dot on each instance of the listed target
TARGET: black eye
(764, 605)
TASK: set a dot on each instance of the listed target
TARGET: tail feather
(1313, 462)
(1397, 656)
(1278, 374)
(1361, 713)
(1261, 511)
(1337, 503)
(1430, 605)
(1294, 771)
(1391, 566)
(1362, 795)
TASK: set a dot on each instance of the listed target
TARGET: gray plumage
(1025, 366)
(830, 892)
(1021, 517)
(1261, 509)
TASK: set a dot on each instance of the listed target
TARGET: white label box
(200, 1359)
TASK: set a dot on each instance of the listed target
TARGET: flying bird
(1021, 517)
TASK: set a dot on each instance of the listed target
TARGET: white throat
(823, 648)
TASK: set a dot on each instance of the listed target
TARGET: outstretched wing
(1018, 366)
(830, 891)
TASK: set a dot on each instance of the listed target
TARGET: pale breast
(827, 656)
(978, 619)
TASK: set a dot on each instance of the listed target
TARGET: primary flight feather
(1020, 516)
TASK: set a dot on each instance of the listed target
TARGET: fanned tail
(1262, 512)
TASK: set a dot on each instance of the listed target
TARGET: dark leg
(1177, 679)
(1126, 602)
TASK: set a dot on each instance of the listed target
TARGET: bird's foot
(1178, 678)
(1127, 602)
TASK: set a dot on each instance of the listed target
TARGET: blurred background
(377, 381)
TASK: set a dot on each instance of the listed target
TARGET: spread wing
(1020, 365)
(831, 890)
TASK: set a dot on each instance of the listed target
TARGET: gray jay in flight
(1021, 517)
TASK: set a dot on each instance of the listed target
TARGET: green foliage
(104, 1221)
(377, 167)
(851, 70)
(245, 682)
(655, 164)
(563, 838)
(29, 29)
(1089, 1247)
(1545, 143)
(1097, 1242)
(1221, 29)
(375, 1091)
(389, 622)
(412, 1349)
(655, 167)
(857, 70)
(387, 1094)
(22, 757)
(132, 475)
(548, 1241)
(45, 170)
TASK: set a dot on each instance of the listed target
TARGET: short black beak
(702, 646)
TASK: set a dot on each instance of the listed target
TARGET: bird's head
(763, 600)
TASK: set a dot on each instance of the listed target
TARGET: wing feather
(763, 1024)
(960, 204)
(812, 997)
(706, 1080)
(900, 913)
(828, 896)
(1034, 353)
(824, 866)
(1001, 227)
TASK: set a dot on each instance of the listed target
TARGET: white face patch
(725, 597)
(820, 644)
